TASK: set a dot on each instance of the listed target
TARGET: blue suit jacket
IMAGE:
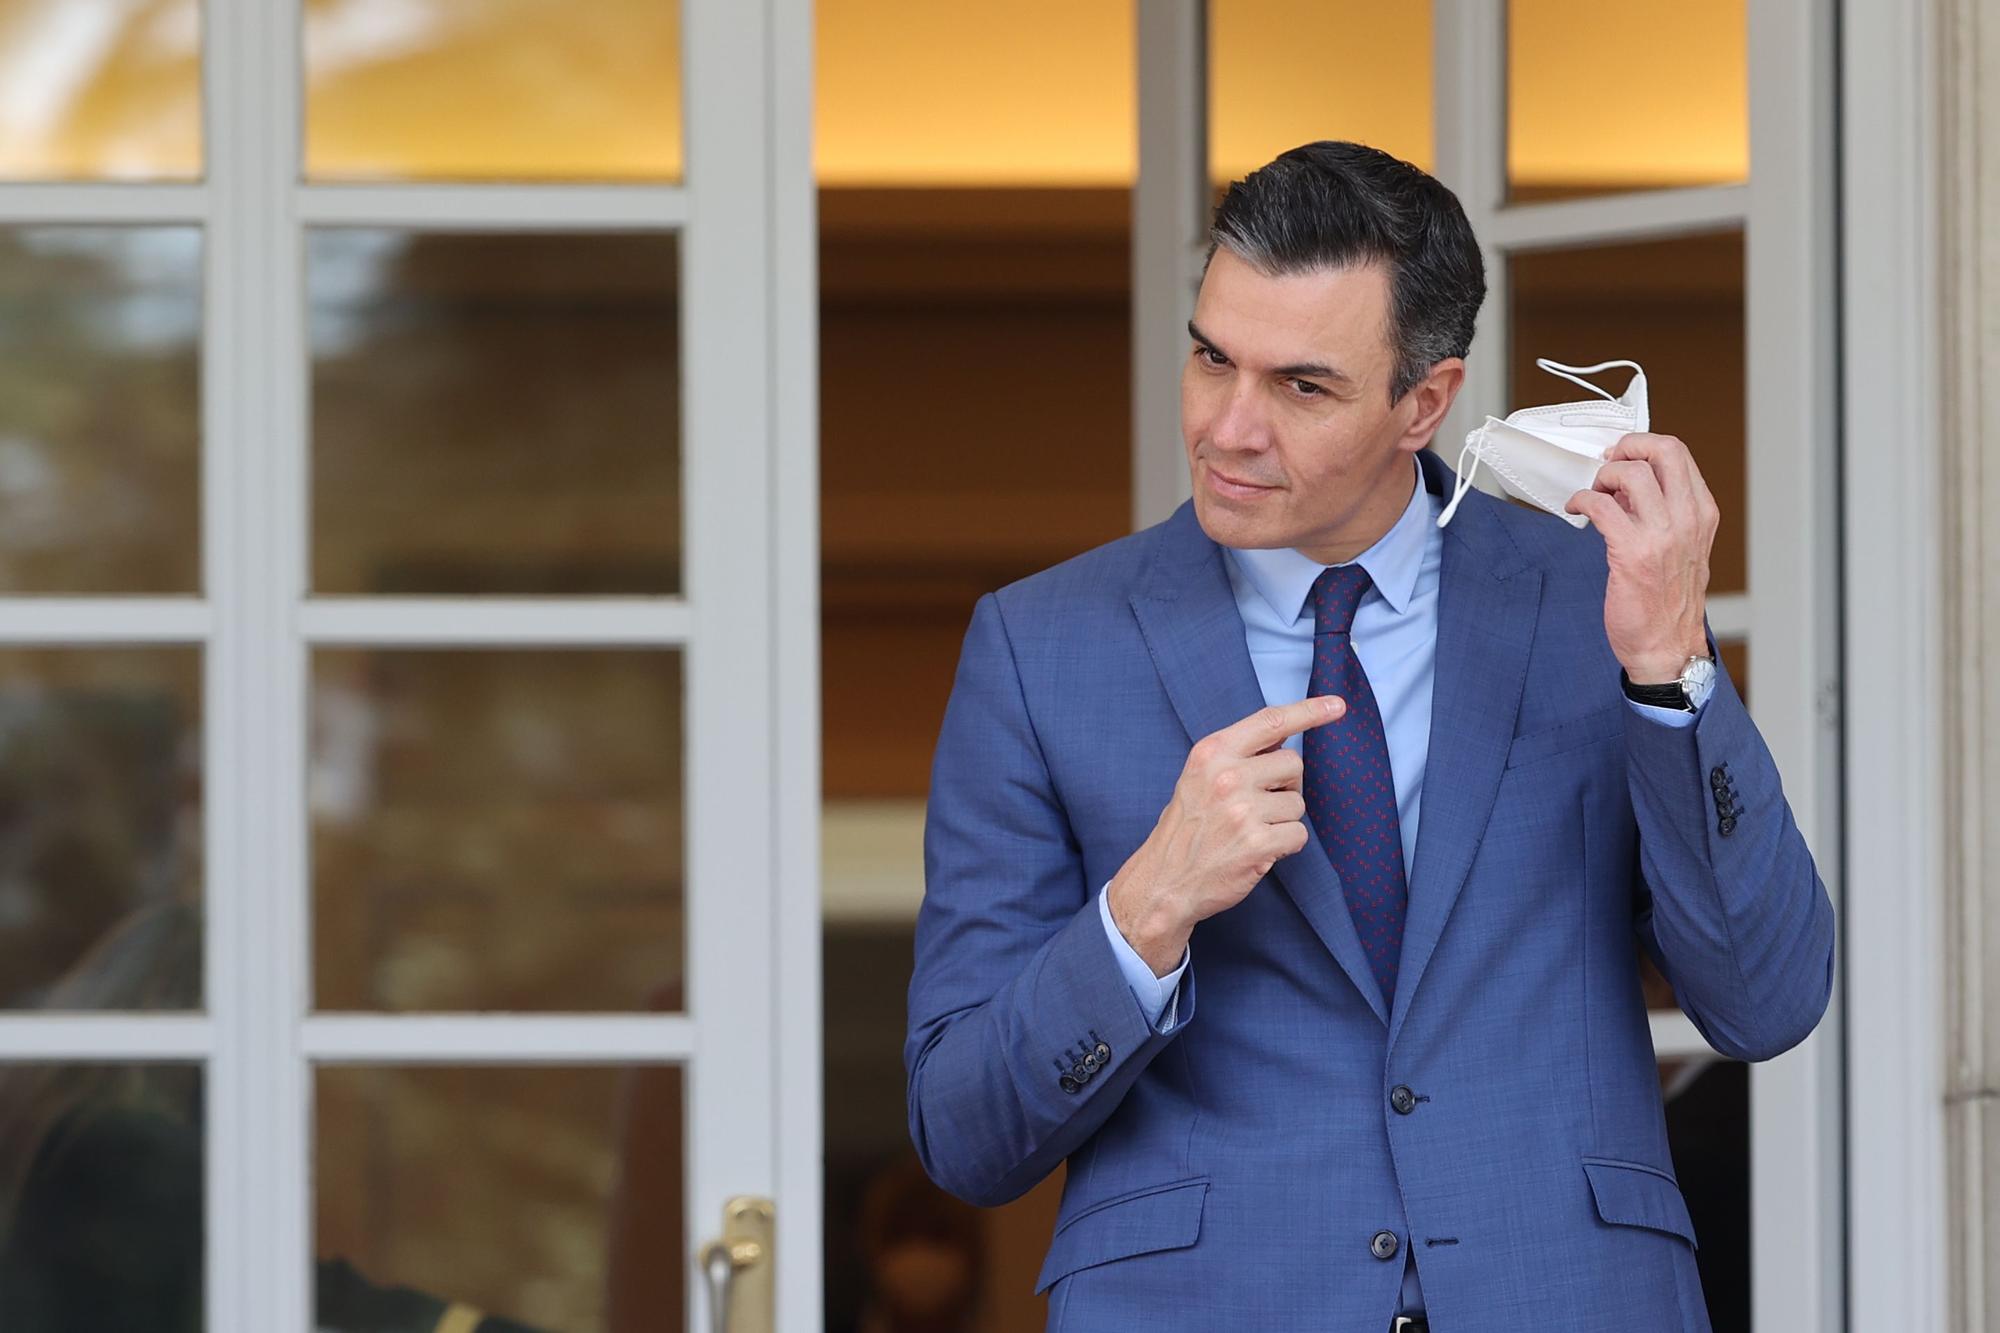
(1235, 1172)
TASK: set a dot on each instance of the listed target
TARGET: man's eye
(1307, 389)
(1209, 356)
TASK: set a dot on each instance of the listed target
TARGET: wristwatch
(1687, 692)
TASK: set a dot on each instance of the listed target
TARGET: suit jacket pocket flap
(1570, 734)
(1159, 1217)
(1632, 1194)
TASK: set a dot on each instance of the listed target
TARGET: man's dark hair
(1331, 204)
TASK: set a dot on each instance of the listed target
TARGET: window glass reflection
(497, 90)
(547, 1198)
(497, 829)
(100, 90)
(100, 432)
(495, 413)
(100, 802)
(100, 1197)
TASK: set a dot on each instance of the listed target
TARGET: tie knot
(1335, 594)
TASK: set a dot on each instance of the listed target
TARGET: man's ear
(1433, 396)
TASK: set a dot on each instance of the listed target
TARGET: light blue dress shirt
(1395, 637)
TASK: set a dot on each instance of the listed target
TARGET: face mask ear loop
(1464, 475)
(1558, 368)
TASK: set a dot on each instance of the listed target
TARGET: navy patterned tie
(1350, 792)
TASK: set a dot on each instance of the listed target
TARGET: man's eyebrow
(1308, 370)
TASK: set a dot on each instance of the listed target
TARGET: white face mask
(1544, 455)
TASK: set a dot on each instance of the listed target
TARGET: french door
(410, 695)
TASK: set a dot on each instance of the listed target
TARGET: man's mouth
(1235, 488)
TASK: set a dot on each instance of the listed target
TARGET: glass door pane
(100, 404)
(1604, 98)
(98, 90)
(101, 868)
(1286, 72)
(498, 830)
(501, 90)
(1675, 307)
(101, 1199)
(495, 412)
(547, 1197)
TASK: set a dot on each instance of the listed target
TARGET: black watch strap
(1669, 695)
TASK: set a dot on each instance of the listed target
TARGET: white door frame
(747, 626)
(1892, 449)
(1170, 207)
(1792, 609)
(795, 707)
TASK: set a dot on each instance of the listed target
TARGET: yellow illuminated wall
(1286, 72)
(1617, 95)
(916, 92)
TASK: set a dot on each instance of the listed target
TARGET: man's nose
(1239, 425)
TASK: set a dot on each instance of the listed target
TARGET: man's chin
(1227, 527)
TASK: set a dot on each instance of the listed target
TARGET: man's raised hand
(1237, 810)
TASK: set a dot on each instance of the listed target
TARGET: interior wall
(975, 427)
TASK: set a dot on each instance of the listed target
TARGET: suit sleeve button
(1069, 1084)
(1103, 1054)
(1384, 1244)
(1727, 826)
(1402, 1099)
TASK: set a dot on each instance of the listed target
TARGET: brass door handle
(742, 1283)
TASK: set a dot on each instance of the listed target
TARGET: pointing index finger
(1268, 728)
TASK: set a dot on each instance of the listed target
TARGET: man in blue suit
(1407, 803)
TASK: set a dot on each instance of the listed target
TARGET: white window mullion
(107, 1036)
(459, 1039)
(82, 203)
(101, 620)
(1469, 83)
(287, 978)
(484, 621)
(1634, 215)
(260, 1244)
(1170, 207)
(229, 429)
(494, 207)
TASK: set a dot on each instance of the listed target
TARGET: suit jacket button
(1090, 1062)
(1717, 778)
(1402, 1099)
(1383, 1246)
(1079, 1073)
(1103, 1054)
(1069, 1084)
(1727, 826)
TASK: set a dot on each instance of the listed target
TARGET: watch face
(1698, 675)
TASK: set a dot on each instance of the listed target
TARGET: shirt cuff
(1667, 717)
(1158, 997)
(1676, 717)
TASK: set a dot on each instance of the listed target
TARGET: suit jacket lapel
(1187, 613)
(1488, 601)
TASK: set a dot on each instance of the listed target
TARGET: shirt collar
(1284, 577)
